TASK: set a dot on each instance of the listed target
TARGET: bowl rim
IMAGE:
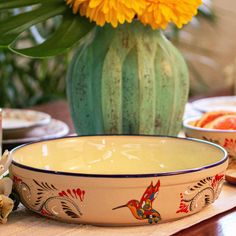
(170, 173)
(196, 104)
(187, 125)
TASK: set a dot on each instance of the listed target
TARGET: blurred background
(207, 44)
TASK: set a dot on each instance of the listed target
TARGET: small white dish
(15, 120)
(226, 103)
(55, 129)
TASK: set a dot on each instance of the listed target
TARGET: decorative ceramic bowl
(118, 180)
(224, 138)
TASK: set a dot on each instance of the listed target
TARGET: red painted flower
(216, 180)
(74, 193)
(183, 207)
(45, 212)
(16, 179)
(230, 145)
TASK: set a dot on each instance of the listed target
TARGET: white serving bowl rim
(148, 175)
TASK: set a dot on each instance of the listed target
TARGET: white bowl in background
(224, 103)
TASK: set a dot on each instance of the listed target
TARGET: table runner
(23, 222)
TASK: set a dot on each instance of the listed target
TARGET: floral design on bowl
(230, 145)
(49, 200)
(201, 194)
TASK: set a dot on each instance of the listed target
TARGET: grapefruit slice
(226, 122)
(211, 116)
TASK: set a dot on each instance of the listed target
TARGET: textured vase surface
(128, 80)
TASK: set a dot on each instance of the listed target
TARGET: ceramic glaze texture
(141, 193)
(117, 155)
(224, 138)
(129, 80)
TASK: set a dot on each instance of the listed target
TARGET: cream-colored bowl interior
(118, 155)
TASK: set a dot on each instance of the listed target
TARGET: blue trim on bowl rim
(224, 159)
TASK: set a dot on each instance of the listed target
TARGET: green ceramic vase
(128, 80)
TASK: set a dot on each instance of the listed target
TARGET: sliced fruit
(226, 122)
(211, 116)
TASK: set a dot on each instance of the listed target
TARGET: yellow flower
(75, 4)
(108, 11)
(159, 13)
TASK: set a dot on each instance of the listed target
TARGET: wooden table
(223, 224)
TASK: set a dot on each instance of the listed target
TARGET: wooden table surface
(223, 224)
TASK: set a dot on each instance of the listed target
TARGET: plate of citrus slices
(218, 127)
(222, 120)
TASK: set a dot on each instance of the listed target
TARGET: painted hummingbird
(142, 209)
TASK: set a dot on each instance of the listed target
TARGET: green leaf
(72, 29)
(10, 4)
(16, 3)
(14, 26)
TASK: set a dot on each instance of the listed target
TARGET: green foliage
(25, 82)
(71, 30)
